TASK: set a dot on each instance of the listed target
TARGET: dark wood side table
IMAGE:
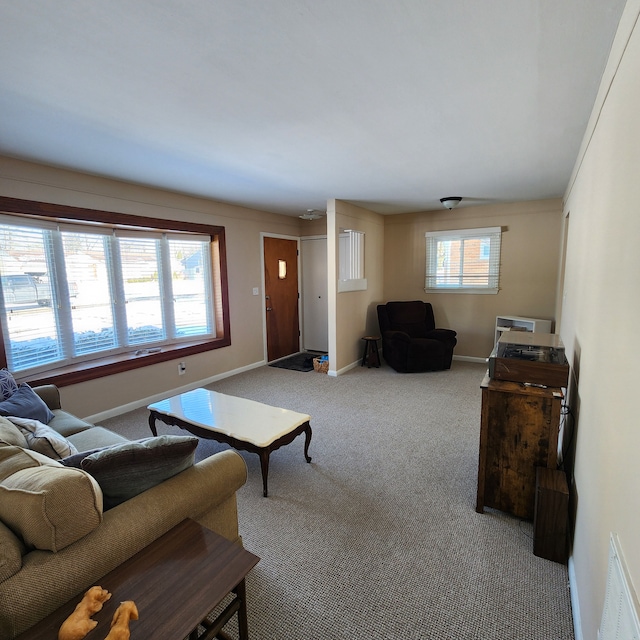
(370, 357)
(175, 582)
(518, 432)
(551, 517)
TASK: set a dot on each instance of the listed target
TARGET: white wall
(599, 326)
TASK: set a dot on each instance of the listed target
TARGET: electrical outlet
(182, 367)
(256, 291)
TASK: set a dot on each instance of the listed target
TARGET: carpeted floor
(378, 537)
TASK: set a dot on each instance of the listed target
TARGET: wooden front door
(281, 297)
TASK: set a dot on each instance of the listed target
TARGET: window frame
(432, 238)
(119, 363)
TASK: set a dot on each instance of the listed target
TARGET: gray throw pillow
(125, 470)
(26, 403)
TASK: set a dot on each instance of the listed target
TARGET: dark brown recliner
(410, 340)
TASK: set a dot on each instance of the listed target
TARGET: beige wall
(313, 227)
(352, 314)
(600, 308)
(529, 259)
(243, 228)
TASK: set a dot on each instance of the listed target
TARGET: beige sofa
(34, 582)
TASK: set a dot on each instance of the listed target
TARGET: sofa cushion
(67, 424)
(125, 470)
(43, 439)
(46, 504)
(11, 434)
(12, 550)
(26, 403)
(95, 438)
(8, 385)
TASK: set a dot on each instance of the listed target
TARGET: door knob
(268, 308)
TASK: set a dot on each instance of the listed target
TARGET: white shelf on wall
(518, 323)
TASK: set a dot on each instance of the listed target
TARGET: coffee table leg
(307, 442)
(264, 466)
(152, 423)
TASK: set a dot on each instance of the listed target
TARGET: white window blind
(77, 292)
(351, 261)
(463, 260)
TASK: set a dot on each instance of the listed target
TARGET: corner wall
(352, 314)
(600, 308)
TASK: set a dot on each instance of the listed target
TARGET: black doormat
(297, 362)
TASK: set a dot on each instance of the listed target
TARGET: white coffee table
(243, 424)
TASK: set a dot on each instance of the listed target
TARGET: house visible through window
(73, 293)
(463, 261)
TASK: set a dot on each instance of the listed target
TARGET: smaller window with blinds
(351, 261)
(463, 260)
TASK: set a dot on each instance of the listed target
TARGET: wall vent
(620, 614)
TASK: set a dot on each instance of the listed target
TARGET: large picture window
(77, 294)
(463, 260)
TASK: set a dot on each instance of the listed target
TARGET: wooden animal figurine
(120, 624)
(79, 623)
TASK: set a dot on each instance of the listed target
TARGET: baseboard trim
(575, 601)
(131, 406)
(335, 373)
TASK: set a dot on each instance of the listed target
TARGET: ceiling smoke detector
(311, 214)
(451, 202)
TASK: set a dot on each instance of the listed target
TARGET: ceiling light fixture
(451, 202)
(311, 214)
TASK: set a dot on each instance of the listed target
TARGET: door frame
(263, 235)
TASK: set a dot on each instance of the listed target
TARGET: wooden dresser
(518, 432)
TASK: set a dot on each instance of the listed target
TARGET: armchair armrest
(400, 336)
(444, 335)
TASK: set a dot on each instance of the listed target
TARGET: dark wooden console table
(518, 432)
(175, 582)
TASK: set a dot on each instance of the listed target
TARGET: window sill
(101, 367)
(358, 284)
(463, 290)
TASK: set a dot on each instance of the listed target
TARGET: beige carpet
(378, 537)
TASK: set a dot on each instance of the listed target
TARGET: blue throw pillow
(8, 385)
(26, 403)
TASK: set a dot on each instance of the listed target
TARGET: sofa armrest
(205, 492)
(50, 394)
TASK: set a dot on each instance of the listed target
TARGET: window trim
(119, 363)
(495, 233)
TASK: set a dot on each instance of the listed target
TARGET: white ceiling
(283, 104)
